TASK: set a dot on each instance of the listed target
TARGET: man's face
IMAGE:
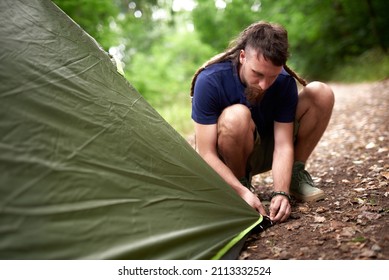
(255, 72)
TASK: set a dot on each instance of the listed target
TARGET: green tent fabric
(89, 170)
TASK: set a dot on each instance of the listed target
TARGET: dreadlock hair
(268, 39)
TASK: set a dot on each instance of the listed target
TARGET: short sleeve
(205, 108)
(286, 109)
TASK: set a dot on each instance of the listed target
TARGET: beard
(254, 94)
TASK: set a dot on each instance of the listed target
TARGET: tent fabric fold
(89, 170)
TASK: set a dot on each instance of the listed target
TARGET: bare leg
(313, 112)
(236, 138)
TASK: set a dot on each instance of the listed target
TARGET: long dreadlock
(270, 40)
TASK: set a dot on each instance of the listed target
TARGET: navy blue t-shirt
(218, 86)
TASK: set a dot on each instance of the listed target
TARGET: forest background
(161, 43)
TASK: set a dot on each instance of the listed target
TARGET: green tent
(89, 170)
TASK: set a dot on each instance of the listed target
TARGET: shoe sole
(311, 198)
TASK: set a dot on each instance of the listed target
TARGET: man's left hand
(280, 209)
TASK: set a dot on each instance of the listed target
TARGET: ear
(242, 56)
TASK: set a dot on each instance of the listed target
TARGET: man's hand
(254, 202)
(280, 208)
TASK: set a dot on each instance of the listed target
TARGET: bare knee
(235, 137)
(235, 119)
(320, 94)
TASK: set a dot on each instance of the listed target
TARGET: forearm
(282, 168)
(206, 147)
(218, 165)
(228, 176)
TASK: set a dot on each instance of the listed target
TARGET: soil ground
(351, 164)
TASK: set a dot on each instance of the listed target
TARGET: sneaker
(302, 186)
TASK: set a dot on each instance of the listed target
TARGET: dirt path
(351, 164)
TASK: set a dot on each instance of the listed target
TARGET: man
(249, 118)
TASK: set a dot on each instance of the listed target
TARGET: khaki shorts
(261, 159)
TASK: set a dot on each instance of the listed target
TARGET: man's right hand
(254, 202)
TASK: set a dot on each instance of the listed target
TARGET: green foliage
(167, 70)
(322, 34)
(95, 16)
(217, 26)
(372, 65)
(115, 22)
(177, 112)
(345, 31)
(163, 76)
(342, 40)
(359, 239)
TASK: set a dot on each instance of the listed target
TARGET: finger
(280, 215)
(274, 207)
(287, 213)
(261, 210)
(259, 207)
(279, 209)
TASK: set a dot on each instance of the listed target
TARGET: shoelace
(304, 176)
